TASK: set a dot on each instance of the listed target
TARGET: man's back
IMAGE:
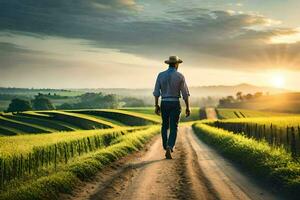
(169, 84)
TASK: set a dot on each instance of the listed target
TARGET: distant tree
(65, 106)
(258, 94)
(224, 102)
(230, 98)
(248, 96)
(133, 102)
(19, 105)
(111, 101)
(91, 97)
(42, 103)
(97, 100)
(239, 96)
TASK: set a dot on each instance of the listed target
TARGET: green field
(37, 147)
(56, 149)
(150, 111)
(277, 131)
(54, 121)
(270, 164)
(265, 144)
(227, 113)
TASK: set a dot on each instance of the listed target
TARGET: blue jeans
(170, 113)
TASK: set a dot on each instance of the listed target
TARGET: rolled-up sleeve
(157, 88)
(184, 89)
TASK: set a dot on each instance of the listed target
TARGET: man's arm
(185, 95)
(157, 108)
(156, 94)
(187, 104)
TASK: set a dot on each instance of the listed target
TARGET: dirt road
(196, 172)
(211, 113)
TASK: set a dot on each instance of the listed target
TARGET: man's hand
(187, 112)
(157, 109)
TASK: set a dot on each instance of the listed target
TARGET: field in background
(229, 113)
(54, 121)
(282, 102)
(150, 111)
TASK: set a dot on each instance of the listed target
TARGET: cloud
(9, 47)
(204, 37)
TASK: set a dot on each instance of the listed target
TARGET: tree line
(239, 97)
(84, 101)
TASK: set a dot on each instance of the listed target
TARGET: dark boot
(168, 153)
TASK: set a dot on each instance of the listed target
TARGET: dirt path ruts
(196, 172)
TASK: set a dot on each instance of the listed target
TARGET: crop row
(19, 165)
(126, 117)
(225, 113)
(275, 135)
(80, 120)
(67, 176)
(273, 165)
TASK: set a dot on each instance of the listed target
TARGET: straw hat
(173, 60)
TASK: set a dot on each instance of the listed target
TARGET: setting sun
(277, 80)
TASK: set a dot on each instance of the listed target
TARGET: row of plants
(22, 126)
(49, 124)
(81, 168)
(227, 113)
(272, 164)
(24, 144)
(275, 134)
(126, 117)
(19, 165)
(80, 120)
(52, 122)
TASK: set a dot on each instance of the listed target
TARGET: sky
(123, 43)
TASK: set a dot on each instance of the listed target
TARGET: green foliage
(93, 100)
(24, 144)
(42, 103)
(149, 111)
(52, 125)
(273, 165)
(81, 168)
(133, 102)
(83, 121)
(282, 120)
(125, 117)
(65, 106)
(195, 115)
(22, 126)
(277, 131)
(43, 188)
(18, 105)
(52, 121)
(240, 97)
(226, 113)
(18, 165)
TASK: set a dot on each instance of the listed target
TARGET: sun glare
(287, 38)
(277, 80)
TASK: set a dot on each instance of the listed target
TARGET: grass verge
(82, 168)
(270, 164)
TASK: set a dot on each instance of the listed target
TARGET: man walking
(169, 84)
